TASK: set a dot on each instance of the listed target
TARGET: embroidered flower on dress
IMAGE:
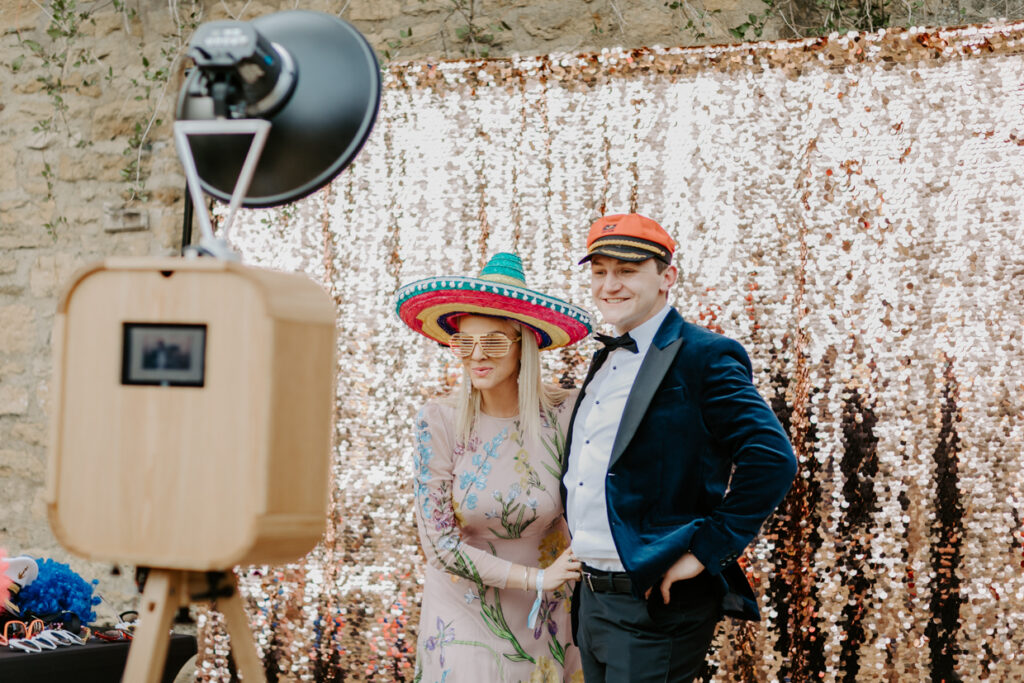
(482, 463)
(445, 635)
(546, 617)
(444, 519)
(551, 546)
(545, 672)
(448, 542)
(421, 459)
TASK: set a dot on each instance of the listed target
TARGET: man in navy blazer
(674, 461)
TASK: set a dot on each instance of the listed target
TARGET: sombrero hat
(431, 306)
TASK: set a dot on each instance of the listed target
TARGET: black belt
(601, 581)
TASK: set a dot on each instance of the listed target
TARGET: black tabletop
(97, 661)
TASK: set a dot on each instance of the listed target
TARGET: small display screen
(164, 354)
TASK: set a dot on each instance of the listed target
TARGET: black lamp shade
(320, 128)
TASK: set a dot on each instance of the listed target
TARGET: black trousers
(623, 639)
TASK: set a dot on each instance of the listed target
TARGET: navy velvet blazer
(699, 462)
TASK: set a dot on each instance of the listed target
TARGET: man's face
(628, 293)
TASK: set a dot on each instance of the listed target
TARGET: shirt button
(587, 441)
(597, 403)
(581, 483)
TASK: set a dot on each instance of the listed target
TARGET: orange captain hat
(629, 237)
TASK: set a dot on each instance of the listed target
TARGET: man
(674, 462)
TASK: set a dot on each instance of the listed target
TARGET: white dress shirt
(593, 435)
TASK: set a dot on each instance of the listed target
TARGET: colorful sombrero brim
(431, 306)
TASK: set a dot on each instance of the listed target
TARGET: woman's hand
(565, 568)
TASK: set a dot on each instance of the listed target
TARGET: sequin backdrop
(849, 208)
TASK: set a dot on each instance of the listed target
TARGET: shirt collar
(644, 333)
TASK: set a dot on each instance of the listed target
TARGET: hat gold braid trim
(599, 243)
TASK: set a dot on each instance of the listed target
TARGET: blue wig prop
(58, 589)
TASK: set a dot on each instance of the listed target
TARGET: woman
(486, 481)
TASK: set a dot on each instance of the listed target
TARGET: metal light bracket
(210, 244)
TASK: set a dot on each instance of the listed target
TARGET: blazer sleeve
(433, 480)
(743, 428)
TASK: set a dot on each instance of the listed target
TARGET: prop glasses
(493, 344)
(19, 629)
(35, 637)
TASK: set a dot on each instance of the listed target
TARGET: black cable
(186, 224)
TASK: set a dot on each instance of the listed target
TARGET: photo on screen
(164, 354)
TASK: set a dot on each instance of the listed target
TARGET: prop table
(95, 662)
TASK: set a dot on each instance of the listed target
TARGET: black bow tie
(612, 343)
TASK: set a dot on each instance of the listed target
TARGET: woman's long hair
(535, 397)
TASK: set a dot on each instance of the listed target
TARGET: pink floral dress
(481, 508)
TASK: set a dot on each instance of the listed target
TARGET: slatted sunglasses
(493, 344)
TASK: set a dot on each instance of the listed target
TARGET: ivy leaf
(18, 61)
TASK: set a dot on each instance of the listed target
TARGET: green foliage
(821, 17)
(475, 38)
(63, 48)
(805, 18)
(754, 22)
(51, 226)
(397, 44)
(60, 54)
(49, 177)
(700, 22)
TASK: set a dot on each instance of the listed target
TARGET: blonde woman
(496, 597)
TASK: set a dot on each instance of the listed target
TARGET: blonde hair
(535, 396)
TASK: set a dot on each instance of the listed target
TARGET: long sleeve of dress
(437, 488)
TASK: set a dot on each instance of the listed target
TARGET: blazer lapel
(656, 363)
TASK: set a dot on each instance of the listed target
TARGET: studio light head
(239, 72)
(311, 75)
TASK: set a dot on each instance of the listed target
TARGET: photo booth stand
(168, 590)
(200, 460)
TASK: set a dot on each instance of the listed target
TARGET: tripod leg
(148, 652)
(243, 646)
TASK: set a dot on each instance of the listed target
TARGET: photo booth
(195, 400)
(193, 397)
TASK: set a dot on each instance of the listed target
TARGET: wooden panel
(167, 473)
(302, 398)
(193, 477)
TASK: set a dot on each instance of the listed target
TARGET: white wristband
(532, 619)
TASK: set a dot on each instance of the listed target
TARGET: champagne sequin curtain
(849, 208)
